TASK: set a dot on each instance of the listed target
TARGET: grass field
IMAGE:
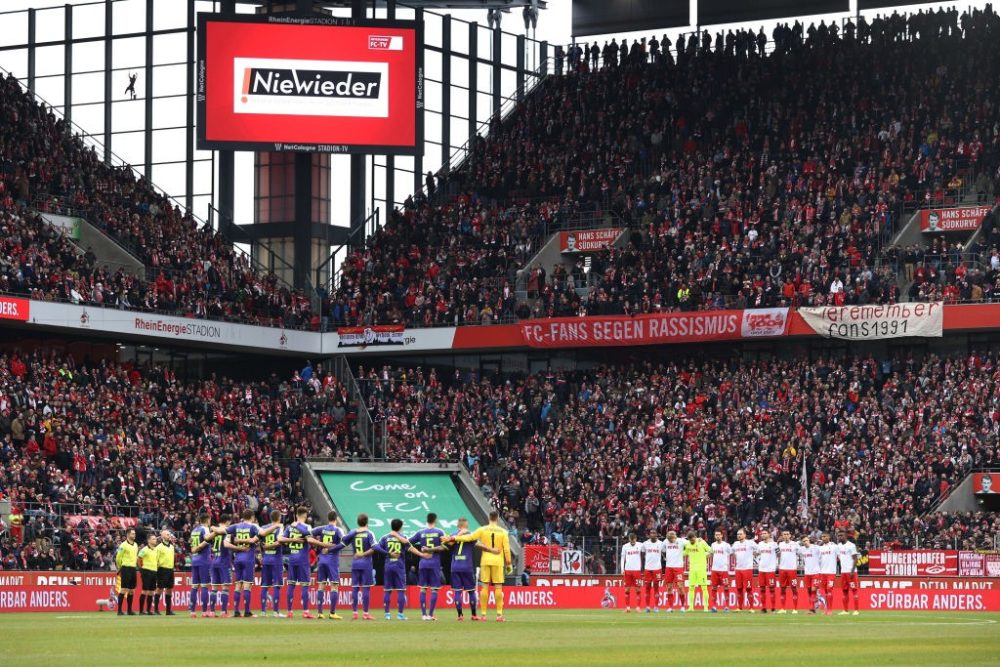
(528, 638)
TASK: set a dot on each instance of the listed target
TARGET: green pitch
(528, 638)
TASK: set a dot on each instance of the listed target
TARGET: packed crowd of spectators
(115, 440)
(784, 201)
(190, 270)
(702, 444)
(728, 205)
(565, 455)
(444, 264)
(787, 200)
(948, 271)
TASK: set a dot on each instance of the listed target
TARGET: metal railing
(94, 142)
(371, 435)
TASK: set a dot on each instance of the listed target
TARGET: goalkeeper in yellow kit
(495, 561)
(697, 552)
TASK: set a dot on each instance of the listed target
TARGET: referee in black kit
(126, 558)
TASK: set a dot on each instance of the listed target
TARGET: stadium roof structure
(414, 4)
(714, 12)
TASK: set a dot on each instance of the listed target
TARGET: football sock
(498, 592)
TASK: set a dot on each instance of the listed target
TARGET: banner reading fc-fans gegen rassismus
(900, 320)
(654, 329)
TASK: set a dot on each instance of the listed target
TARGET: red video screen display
(324, 84)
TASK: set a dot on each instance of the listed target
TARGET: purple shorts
(327, 573)
(429, 577)
(361, 576)
(271, 575)
(298, 574)
(395, 578)
(200, 575)
(222, 575)
(244, 573)
(462, 580)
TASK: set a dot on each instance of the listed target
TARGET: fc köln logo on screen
(311, 87)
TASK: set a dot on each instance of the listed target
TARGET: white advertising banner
(228, 334)
(379, 340)
(899, 320)
(169, 327)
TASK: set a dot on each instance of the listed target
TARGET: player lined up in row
(217, 550)
(648, 564)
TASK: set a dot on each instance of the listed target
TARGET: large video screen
(330, 85)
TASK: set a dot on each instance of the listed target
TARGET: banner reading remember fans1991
(898, 320)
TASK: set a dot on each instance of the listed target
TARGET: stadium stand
(788, 201)
(699, 442)
(785, 202)
(564, 456)
(190, 271)
(115, 440)
(729, 205)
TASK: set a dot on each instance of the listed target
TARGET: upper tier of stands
(746, 179)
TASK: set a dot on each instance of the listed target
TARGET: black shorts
(128, 577)
(148, 581)
(165, 577)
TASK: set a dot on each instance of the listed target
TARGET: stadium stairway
(88, 237)
(961, 498)
(550, 255)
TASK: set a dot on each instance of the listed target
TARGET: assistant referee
(126, 558)
(164, 573)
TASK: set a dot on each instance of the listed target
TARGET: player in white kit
(744, 550)
(652, 565)
(828, 553)
(767, 563)
(810, 569)
(788, 568)
(673, 550)
(721, 551)
(847, 552)
(631, 567)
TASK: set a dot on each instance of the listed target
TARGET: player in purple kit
(271, 575)
(362, 542)
(329, 540)
(429, 540)
(295, 539)
(244, 534)
(463, 579)
(392, 545)
(222, 568)
(200, 542)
